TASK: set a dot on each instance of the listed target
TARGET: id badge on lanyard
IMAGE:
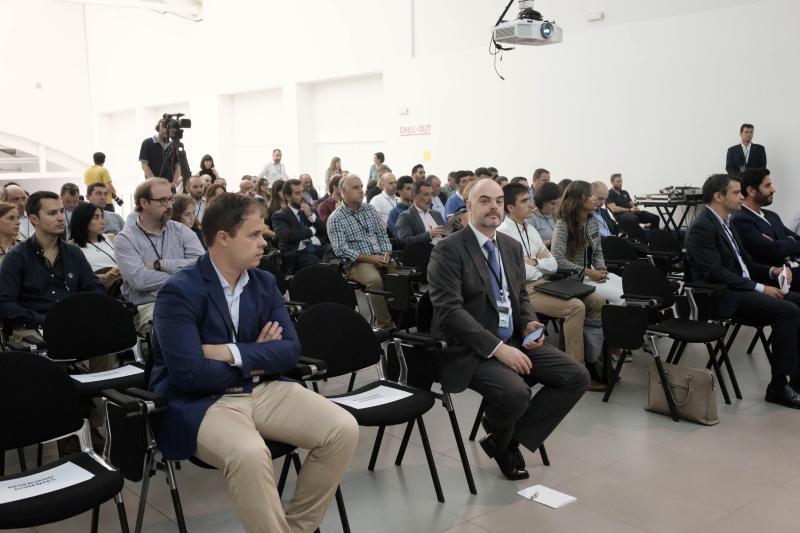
(504, 312)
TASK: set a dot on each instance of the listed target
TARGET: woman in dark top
(207, 167)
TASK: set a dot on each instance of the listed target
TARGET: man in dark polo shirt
(43, 270)
(158, 157)
(625, 211)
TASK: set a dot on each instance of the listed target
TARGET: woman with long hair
(207, 167)
(86, 228)
(576, 242)
(263, 190)
(184, 210)
(335, 168)
(276, 200)
(215, 190)
(9, 228)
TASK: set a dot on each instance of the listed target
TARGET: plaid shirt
(354, 233)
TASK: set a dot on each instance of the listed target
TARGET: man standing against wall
(746, 154)
(275, 170)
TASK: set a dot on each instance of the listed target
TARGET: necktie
(495, 278)
(729, 233)
(310, 246)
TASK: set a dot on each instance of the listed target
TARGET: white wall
(656, 90)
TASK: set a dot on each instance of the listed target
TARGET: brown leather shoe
(598, 386)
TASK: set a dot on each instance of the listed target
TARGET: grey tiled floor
(630, 470)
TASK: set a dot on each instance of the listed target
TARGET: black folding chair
(417, 255)
(644, 284)
(343, 339)
(624, 329)
(39, 403)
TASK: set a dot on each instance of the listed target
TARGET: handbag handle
(688, 388)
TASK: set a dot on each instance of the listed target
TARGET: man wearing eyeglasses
(152, 247)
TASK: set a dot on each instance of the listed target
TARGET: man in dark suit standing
(762, 231)
(221, 340)
(300, 232)
(746, 154)
(715, 254)
(477, 288)
(420, 223)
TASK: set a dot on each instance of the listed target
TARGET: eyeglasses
(167, 200)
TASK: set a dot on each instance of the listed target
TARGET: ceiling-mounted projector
(528, 29)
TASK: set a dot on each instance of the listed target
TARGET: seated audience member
(276, 201)
(70, 197)
(605, 221)
(418, 172)
(544, 217)
(16, 195)
(87, 228)
(540, 176)
(538, 263)
(301, 233)
(207, 180)
(42, 271)
(456, 222)
(310, 194)
(576, 243)
(9, 228)
(375, 187)
(715, 254)
(502, 181)
(329, 204)
(152, 248)
(625, 211)
(387, 199)
(494, 171)
(563, 184)
(483, 173)
(405, 195)
(456, 201)
(451, 186)
(184, 210)
(96, 194)
(762, 232)
(438, 198)
(222, 339)
(263, 191)
(519, 179)
(463, 269)
(246, 188)
(420, 223)
(196, 191)
(358, 236)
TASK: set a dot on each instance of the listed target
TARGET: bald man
(246, 188)
(477, 286)
(608, 227)
(14, 194)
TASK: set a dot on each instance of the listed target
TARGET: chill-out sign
(418, 129)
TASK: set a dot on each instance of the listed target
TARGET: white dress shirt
(428, 222)
(273, 171)
(383, 204)
(532, 245)
(314, 239)
(26, 229)
(233, 296)
(437, 205)
(199, 209)
(483, 239)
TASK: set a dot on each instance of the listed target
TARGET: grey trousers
(509, 406)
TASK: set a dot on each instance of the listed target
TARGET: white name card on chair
(377, 396)
(121, 372)
(50, 480)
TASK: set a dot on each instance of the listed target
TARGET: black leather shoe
(783, 395)
(513, 446)
(505, 460)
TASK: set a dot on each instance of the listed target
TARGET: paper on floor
(123, 371)
(377, 396)
(545, 496)
(57, 478)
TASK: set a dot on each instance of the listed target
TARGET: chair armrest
(308, 368)
(377, 292)
(130, 405)
(422, 340)
(701, 287)
(642, 300)
(156, 401)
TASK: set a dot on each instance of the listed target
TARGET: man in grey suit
(420, 223)
(480, 303)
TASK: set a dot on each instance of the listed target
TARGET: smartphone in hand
(533, 336)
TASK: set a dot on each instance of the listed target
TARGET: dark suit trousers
(303, 258)
(509, 406)
(642, 217)
(782, 315)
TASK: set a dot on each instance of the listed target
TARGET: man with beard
(762, 232)
(43, 270)
(301, 233)
(480, 303)
(197, 191)
(152, 248)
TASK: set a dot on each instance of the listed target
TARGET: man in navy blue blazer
(221, 340)
(762, 231)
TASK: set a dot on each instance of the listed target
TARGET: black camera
(175, 124)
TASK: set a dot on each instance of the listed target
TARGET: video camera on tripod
(175, 125)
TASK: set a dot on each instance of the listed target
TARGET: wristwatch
(157, 264)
